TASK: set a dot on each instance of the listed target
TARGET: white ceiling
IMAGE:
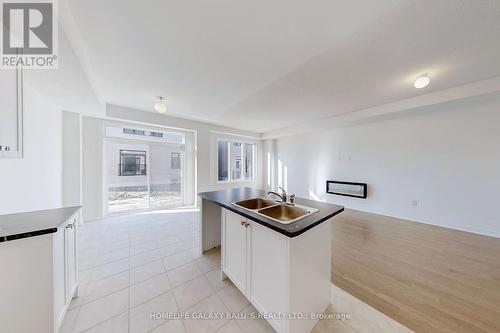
(265, 65)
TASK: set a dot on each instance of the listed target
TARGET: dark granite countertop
(226, 198)
(22, 225)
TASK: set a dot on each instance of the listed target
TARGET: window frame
(230, 141)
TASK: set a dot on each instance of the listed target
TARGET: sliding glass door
(143, 175)
(127, 176)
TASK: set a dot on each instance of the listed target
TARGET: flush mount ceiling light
(422, 81)
(161, 106)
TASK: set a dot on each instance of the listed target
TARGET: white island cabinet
(38, 279)
(286, 279)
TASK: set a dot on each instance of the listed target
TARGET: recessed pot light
(422, 81)
(161, 106)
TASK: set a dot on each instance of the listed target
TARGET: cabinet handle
(246, 225)
(242, 223)
(69, 226)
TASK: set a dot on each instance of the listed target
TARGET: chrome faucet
(282, 196)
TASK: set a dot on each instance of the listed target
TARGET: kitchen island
(278, 255)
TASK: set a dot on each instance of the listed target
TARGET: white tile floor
(140, 264)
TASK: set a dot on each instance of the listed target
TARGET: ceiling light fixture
(422, 81)
(161, 106)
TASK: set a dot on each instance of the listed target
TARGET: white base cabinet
(38, 280)
(235, 260)
(284, 278)
(65, 268)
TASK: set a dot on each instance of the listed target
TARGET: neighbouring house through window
(175, 161)
(132, 163)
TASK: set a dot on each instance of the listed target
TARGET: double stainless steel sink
(277, 211)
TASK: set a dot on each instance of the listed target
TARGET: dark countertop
(226, 198)
(22, 225)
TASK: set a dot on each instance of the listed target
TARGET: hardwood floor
(428, 278)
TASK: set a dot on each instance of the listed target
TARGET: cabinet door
(59, 271)
(70, 259)
(268, 258)
(235, 249)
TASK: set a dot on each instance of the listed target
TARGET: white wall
(72, 159)
(269, 165)
(440, 165)
(92, 168)
(35, 182)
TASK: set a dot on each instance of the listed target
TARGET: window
(235, 160)
(175, 161)
(222, 160)
(133, 131)
(145, 134)
(156, 134)
(132, 163)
